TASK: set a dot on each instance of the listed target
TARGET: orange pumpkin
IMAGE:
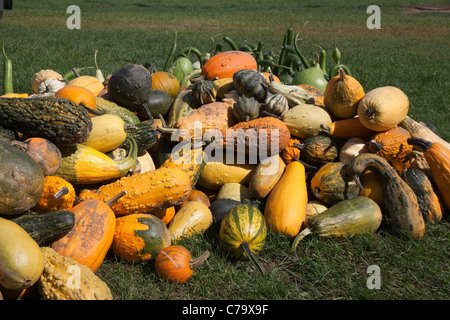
(78, 95)
(316, 93)
(175, 264)
(197, 195)
(267, 76)
(92, 235)
(225, 64)
(167, 82)
(89, 82)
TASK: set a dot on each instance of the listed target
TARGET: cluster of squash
(126, 166)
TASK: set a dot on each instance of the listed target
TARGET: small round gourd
(391, 144)
(166, 82)
(319, 149)
(276, 104)
(204, 91)
(251, 83)
(176, 265)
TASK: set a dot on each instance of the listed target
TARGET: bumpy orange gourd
(92, 235)
(166, 215)
(391, 144)
(285, 210)
(316, 94)
(176, 265)
(225, 64)
(342, 95)
(291, 151)
(146, 192)
(167, 82)
(58, 194)
(78, 95)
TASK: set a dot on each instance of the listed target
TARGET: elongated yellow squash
(285, 210)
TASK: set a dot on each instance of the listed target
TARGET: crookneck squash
(400, 200)
(285, 209)
(243, 232)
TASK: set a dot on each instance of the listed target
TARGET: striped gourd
(243, 232)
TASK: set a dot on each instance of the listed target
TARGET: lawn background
(410, 51)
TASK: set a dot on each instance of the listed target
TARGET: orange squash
(285, 210)
(347, 129)
(89, 82)
(316, 94)
(58, 194)
(225, 64)
(147, 192)
(166, 215)
(167, 82)
(391, 144)
(176, 265)
(78, 95)
(342, 95)
(92, 235)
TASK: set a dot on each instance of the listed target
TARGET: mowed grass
(410, 51)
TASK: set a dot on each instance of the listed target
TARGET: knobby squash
(146, 192)
(58, 194)
(400, 200)
(285, 209)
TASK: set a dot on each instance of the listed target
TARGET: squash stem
(271, 115)
(114, 199)
(127, 164)
(299, 237)
(358, 183)
(62, 192)
(194, 264)
(252, 256)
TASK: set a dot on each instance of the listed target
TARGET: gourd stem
(95, 112)
(299, 237)
(271, 115)
(377, 146)
(115, 198)
(125, 165)
(194, 264)
(244, 245)
(341, 74)
(419, 142)
(304, 163)
(358, 183)
(324, 129)
(62, 192)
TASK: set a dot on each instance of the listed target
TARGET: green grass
(410, 51)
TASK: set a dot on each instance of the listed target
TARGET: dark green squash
(246, 109)
(144, 135)
(251, 83)
(159, 104)
(59, 120)
(319, 149)
(21, 180)
(46, 227)
(131, 87)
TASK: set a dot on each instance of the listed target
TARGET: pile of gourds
(132, 165)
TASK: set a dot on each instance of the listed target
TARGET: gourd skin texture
(44, 152)
(400, 200)
(305, 120)
(146, 192)
(285, 210)
(91, 237)
(58, 272)
(47, 201)
(139, 237)
(391, 144)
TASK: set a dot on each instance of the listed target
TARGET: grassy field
(410, 51)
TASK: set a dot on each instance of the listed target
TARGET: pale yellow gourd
(108, 133)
